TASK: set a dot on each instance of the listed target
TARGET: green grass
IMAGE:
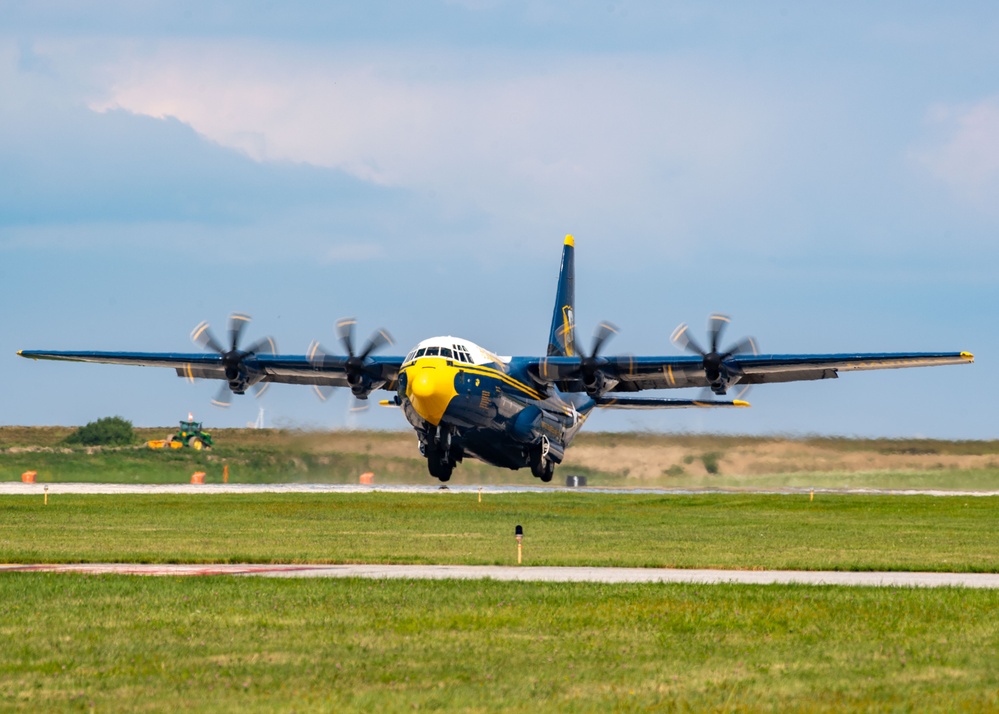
(84, 643)
(280, 456)
(263, 457)
(712, 530)
(937, 479)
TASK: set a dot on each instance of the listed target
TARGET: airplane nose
(430, 390)
(424, 384)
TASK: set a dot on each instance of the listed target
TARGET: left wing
(632, 374)
(247, 369)
(259, 364)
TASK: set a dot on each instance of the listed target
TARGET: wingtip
(964, 355)
(20, 353)
(570, 241)
(741, 403)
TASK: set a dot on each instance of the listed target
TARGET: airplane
(514, 412)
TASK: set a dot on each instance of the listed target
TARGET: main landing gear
(442, 454)
(542, 466)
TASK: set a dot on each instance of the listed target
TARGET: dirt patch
(648, 462)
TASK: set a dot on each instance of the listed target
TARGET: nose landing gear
(441, 452)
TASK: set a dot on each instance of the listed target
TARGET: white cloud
(965, 151)
(584, 139)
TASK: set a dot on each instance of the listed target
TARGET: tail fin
(561, 340)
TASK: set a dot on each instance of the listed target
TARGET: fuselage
(483, 405)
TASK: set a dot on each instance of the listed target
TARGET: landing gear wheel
(544, 470)
(439, 465)
(440, 469)
(541, 466)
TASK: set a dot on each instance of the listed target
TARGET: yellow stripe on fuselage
(502, 376)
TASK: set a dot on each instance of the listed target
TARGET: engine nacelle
(360, 385)
(597, 384)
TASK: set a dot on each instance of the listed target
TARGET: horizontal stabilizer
(664, 403)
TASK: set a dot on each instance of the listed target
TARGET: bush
(109, 431)
(710, 460)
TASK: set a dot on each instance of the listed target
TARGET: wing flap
(664, 403)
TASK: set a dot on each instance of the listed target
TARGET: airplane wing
(319, 370)
(633, 374)
(637, 403)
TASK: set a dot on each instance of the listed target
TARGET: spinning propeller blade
(719, 375)
(238, 377)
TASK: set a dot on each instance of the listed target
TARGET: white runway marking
(534, 574)
(17, 488)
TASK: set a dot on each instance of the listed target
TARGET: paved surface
(473, 572)
(535, 574)
(18, 488)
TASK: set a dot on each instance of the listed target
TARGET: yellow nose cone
(424, 384)
(430, 388)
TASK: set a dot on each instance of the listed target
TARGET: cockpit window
(420, 352)
(433, 351)
(445, 352)
(411, 356)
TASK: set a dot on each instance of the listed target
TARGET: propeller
(720, 375)
(590, 365)
(238, 377)
(358, 364)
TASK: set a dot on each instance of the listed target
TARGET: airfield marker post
(811, 495)
(519, 532)
(480, 494)
(225, 474)
(46, 495)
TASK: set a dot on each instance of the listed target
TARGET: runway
(530, 574)
(16, 488)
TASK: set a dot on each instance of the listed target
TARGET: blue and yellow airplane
(514, 412)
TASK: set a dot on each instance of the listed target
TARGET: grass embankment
(227, 644)
(702, 531)
(619, 460)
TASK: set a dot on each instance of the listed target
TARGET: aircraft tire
(439, 465)
(547, 471)
(543, 469)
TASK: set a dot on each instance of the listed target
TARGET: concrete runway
(484, 572)
(533, 574)
(15, 488)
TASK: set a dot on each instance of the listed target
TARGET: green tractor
(190, 435)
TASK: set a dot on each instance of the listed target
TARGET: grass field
(84, 643)
(562, 528)
(619, 460)
(87, 643)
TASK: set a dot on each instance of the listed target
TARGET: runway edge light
(519, 533)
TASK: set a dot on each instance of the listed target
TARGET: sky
(825, 173)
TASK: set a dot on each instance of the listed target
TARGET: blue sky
(828, 174)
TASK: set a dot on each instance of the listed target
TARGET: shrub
(109, 431)
(674, 470)
(710, 460)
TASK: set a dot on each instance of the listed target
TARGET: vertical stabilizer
(561, 339)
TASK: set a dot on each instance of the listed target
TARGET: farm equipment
(189, 435)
